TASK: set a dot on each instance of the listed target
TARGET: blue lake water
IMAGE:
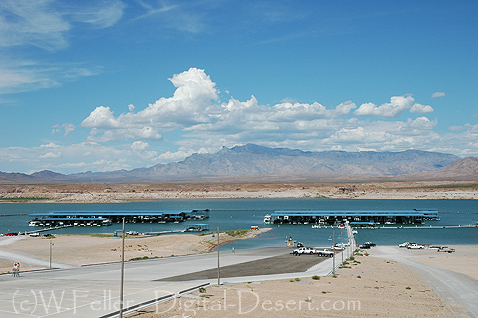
(231, 214)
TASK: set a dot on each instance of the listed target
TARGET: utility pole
(342, 243)
(51, 244)
(333, 250)
(218, 268)
(122, 276)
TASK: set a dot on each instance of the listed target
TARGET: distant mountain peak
(468, 165)
(278, 163)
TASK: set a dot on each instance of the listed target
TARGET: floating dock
(101, 218)
(356, 218)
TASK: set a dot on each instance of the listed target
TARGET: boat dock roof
(72, 219)
(372, 213)
(126, 213)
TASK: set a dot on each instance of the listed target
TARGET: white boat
(267, 219)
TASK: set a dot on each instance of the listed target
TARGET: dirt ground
(102, 193)
(365, 287)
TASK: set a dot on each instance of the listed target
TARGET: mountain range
(253, 162)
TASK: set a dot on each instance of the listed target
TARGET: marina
(105, 217)
(233, 214)
(356, 218)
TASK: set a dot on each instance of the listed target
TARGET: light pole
(342, 243)
(333, 251)
(218, 268)
(51, 244)
(122, 275)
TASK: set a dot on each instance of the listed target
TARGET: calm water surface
(229, 214)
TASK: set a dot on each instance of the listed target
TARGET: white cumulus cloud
(191, 104)
(139, 145)
(197, 120)
(422, 109)
(397, 106)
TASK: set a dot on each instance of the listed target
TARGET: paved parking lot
(93, 291)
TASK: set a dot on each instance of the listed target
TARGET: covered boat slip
(365, 217)
(144, 216)
(49, 221)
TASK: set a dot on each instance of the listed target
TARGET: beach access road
(93, 291)
(451, 286)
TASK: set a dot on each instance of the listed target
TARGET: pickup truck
(312, 251)
(303, 250)
(415, 246)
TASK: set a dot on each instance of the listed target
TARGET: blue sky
(104, 85)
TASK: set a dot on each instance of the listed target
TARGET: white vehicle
(325, 252)
(303, 250)
(405, 244)
(415, 246)
(446, 249)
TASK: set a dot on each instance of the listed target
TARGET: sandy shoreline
(104, 193)
(78, 250)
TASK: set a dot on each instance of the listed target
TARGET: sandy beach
(78, 250)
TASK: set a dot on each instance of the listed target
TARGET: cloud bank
(201, 120)
(194, 119)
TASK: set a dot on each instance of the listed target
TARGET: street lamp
(51, 244)
(333, 251)
(122, 276)
(218, 268)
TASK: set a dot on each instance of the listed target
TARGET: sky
(103, 85)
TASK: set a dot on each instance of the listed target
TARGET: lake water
(231, 214)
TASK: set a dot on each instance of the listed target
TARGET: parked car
(325, 253)
(446, 249)
(367, 245)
